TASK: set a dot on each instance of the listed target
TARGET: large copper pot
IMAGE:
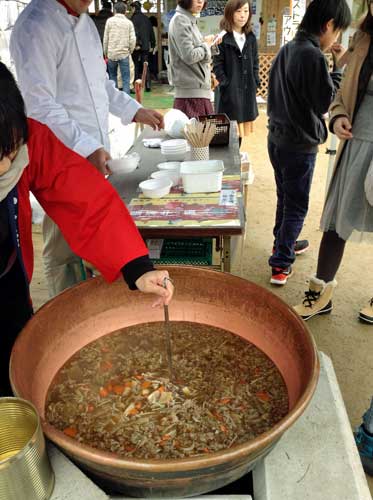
(84, 313)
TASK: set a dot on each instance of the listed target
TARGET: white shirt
(62, 76)
(240, 39)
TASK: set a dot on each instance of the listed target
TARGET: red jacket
(89, 212)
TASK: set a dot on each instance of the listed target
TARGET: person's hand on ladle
(153, 282)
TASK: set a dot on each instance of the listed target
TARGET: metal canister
(25, 470)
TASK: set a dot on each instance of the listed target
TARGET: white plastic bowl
(173, 157)
(124, 165)
(173, 175)
(169, 165)
(155, 188)
(174, 143)
(174, 123)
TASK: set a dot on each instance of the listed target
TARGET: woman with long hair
(347, 210)
(237, 66)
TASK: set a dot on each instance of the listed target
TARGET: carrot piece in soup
(70, 431)
(263, 396)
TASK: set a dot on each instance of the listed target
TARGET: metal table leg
(226, 260)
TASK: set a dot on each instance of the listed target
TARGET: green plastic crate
(192, 252)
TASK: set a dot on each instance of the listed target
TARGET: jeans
(124, 66)
(139, 57)
(293, 174)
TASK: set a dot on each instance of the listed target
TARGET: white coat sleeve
(35, 56)
(121, 104)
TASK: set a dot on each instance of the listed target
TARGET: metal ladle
(167, 331)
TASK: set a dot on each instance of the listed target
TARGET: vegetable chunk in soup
(115, 394)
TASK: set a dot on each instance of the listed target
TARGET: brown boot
(317, 299)
(366, 314)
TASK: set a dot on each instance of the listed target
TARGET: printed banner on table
(182, 212)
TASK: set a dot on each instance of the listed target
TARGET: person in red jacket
(76, 196)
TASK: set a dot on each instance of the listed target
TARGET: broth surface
(115, 393)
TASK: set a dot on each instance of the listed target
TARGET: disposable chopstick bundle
(199, 134)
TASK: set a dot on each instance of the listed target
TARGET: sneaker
(366, 314)
(301, 246)
(317, 299)
(281, 275)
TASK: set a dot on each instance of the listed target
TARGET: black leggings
(330, 256)
(15, 311)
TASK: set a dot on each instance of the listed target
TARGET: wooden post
(270, 8)
(159, 35)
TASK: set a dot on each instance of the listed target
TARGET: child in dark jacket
(76, 196)
(237, 66)
(300, 92)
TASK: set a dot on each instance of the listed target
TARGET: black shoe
(301, 246)
(148, 90)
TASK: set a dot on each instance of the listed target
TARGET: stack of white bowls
(175, 149)
(170, 169)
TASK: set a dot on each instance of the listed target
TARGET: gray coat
(190, 57)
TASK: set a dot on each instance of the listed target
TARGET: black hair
(154, 21)
(367, 23)
(13, 119)
(187, 4)
(320, 12)
(106, 5)
(137, 6)
(120, 7)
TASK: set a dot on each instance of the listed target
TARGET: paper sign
(228, 197)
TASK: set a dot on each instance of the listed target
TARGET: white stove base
(316, 459)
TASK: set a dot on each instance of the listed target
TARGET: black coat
(300, 91)
(100, 21)
(145, 38)
(238, 74)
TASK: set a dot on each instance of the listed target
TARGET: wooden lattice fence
(265, 63)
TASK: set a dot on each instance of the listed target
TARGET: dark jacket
(300, 92)
(100, 21)
(238, 74)
(145, 38)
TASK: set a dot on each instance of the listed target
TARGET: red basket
(222, 122)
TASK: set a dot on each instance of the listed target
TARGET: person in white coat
(57, 54)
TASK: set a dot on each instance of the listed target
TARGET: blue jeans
(124, 66)
(293, 174)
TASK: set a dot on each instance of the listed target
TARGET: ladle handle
(168, 336)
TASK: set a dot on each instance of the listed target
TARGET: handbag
(368, 184)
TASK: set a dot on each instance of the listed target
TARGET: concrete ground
(340, 335)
